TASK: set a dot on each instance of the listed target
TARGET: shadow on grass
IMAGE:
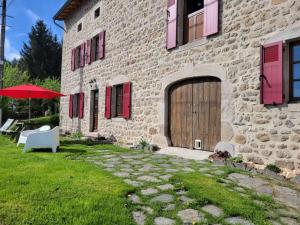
(84, 142)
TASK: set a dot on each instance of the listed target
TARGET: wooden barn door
(195, 113)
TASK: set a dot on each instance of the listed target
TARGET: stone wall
(135, 51)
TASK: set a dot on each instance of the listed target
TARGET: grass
(209, 191)
(45, 188)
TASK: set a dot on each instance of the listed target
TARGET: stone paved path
(150, 175)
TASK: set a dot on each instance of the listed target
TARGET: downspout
(54, 21)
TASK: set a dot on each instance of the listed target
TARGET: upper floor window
(193, 20)
(95, 48)
(295, 71)
(97, 13)
(190, 20)
(79, 27)
(77, 57)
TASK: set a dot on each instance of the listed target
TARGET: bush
(273, 168)
(52, 121)
(236, 159)
(76, 135)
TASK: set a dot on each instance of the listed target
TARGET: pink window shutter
(81, 105)
(71, 106)
(108, 102)
(172, 24)
(272, 74)
(126, 100)
(82, 55)
(88, 51)
(73, 60)
(101, 52)
(211, 17)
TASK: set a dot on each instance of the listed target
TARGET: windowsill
(118, 119)
(192, 45)
(196, 13)
(293, 106)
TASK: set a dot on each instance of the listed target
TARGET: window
(119, 100)
(95, 48)
(77, 57)
(79, 27)
(295, 71)
(194, 20)
(97, 13)
(76, 105)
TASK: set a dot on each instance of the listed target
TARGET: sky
(26, 13)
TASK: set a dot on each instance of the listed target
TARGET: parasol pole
(29, 113)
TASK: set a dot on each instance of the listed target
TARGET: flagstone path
(150, 174)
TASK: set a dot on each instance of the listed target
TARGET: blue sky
(26, 13)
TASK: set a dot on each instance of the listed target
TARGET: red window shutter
(82, 55)
(81, 105)
(88, 51)
(211, 17)
(172, 24)
(71, 106)
(108, 102)
(73, 60)
(126, 100)
(101, 52)
(272, 74)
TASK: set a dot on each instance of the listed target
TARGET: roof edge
(56, 16)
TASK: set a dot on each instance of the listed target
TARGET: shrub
(273, 168)
(77, 135)
(143, 143)
(236, 159)
(52, 121)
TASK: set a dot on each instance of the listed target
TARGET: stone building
(175, 71)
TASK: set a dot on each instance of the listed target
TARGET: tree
(41, 56)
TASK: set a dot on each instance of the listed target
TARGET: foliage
(41, 56)
(143, 143)
(76, 135)
(236, 159)
(13, 75)
(273, 168)
(52, 121)
(45, 188)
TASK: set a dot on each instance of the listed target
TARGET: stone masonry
(136, 52)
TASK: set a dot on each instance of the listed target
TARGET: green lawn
(44, 188)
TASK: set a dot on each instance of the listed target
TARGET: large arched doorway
(195, 112)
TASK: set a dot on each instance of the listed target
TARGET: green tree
(41, 56)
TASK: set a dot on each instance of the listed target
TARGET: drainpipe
(54, 21)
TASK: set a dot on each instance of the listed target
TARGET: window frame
(95, 49)
(97, 13)
(79, 27)
(119, 100)
(291, 76)
(76, 105)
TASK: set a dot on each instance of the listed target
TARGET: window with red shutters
(101, 51)
(81, 106)
(172, 24)
(127, 100)
(88, 51)
(272, 74)
(108, 102)
(71, 106)
(82, 55)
